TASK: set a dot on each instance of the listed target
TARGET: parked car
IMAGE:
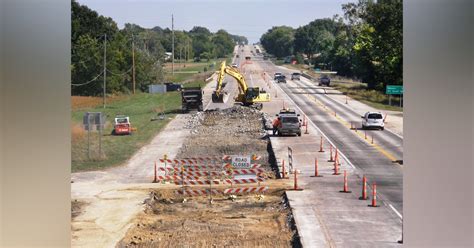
(295, 76)
(170, 86)
(289, 122)
(372, 120)
(324, 80)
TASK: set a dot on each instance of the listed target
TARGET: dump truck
(191, 98)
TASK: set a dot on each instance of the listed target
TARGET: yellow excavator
(248, 96)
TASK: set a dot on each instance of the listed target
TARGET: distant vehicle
(122, 125)
(295, 76)
(237, 56)
(265, 57)
(234, 65)
(191, 98)
(289, 122)
(372, 120)
(281, 79)
(276, 75)
(170, 86)
(247, 57)
(324, 80)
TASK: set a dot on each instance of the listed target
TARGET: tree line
(366, 43)
(92, 34)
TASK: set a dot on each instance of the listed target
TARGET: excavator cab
(252, 93)
(248, 96)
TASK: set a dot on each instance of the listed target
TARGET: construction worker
(276, 123)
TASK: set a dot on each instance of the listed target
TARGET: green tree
(223, 44)
(279, 41)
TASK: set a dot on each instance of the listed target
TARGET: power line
(90, 81)
(120, 74)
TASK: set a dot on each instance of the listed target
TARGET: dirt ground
(252, 220)
(115, 208)
(249, 221)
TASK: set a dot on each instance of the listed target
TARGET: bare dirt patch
(249, 221)
(77, 208)
(253, 220)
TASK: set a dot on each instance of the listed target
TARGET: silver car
(372, 120)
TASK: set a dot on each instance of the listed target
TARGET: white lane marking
(352, 110)
(394, 210)
(317, 128)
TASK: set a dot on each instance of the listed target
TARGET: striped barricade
(246, 190)
(177, 177)
(254, 157)
(196, 192)
(203, 173)
(199, 168)
(196, 182)
(246, 171)
(246, 180)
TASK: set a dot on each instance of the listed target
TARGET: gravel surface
(234, 131)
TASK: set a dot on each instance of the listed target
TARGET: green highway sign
(394, 90)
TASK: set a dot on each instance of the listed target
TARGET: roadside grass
(141, 108)
(78, 102)
(355, 89)
(183, 74)
(373, 98)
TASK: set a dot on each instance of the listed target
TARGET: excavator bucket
(219, 98)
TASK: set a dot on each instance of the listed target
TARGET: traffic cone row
(316, 173)
(295, 183)
(283, 171)
(321, 145)
(345, 189)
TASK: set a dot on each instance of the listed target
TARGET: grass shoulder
(141, 108)
(373, 98)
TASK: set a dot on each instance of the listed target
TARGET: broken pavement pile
(233, 131)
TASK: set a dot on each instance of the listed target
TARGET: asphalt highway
(376, 161)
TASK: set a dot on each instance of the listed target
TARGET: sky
(250, 18)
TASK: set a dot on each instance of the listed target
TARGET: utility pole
(180, 59)
(172, 44)
(133, 64)
(105, 66)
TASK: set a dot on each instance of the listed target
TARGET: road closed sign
(242, 162)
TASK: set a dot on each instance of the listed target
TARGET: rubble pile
(234, 131)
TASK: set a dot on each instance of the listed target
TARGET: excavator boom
(247, 95)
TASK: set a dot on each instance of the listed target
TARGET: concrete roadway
(376, 161)
(325, 217)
